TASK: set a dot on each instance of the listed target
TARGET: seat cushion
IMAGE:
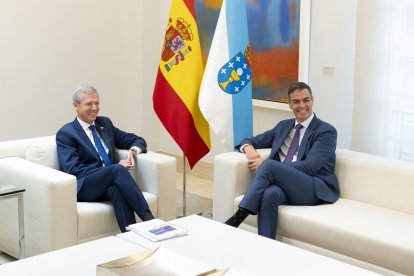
(366, 232)
(363, 231)
(97, 219)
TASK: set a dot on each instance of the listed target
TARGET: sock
(238, 217)
(148, 216)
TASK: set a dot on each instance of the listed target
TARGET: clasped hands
(253, 157)
(129, 162)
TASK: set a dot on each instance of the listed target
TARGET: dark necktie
(100, 147)
(294, 145)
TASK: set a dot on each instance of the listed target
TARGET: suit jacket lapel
(308, 133)
(82, 134)
(282, 137)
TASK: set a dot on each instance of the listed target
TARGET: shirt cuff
(136, 149)
(242, 147)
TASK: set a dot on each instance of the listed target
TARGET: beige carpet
(199, 196)
(195, 204)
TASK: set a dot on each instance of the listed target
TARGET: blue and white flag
(225, 97)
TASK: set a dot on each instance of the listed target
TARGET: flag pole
(184, 187)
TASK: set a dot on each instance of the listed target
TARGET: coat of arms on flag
(178, 82)
(176, 43)
(235, 74)
(225, 97)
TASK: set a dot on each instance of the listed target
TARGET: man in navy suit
(86, 149)
(303, 177)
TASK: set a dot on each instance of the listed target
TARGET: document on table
(157, 229)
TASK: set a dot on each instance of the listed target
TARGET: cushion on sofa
(367, 232)
(44, 154)
(17, 148)
(97, 219)
(373, 179)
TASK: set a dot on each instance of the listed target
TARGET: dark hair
(299, 86)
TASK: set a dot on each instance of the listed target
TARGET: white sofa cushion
(376, 180)
(373, 234)
(97, 219)
(43, 154)
(17, 148)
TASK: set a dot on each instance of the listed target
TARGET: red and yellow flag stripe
(178, 81)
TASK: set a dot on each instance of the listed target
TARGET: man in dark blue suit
(86, 149)
(294, 174)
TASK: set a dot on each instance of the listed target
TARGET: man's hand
(253, 157)
(129, 162)
(255, 164)
(251, 152)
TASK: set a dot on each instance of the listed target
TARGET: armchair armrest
(156, 173)
(49, 207)
(232, 177)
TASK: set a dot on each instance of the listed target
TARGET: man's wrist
(245, 147)
(135, 150)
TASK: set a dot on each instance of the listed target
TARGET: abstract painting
(274, 41)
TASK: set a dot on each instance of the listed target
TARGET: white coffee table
(223, 246)
(76, 260)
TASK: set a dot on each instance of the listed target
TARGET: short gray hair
(87, 89)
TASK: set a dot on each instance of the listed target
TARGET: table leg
(21, 226)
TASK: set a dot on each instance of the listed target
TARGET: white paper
(157, 229)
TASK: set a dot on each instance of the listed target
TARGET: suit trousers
(115, 183)
(274, 184)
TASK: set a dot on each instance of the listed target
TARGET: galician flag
(178, 81)
(226, 90)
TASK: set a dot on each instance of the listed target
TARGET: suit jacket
(78, 156)
(316, 153)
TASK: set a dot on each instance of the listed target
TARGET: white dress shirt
(284, 148)
(88, 132)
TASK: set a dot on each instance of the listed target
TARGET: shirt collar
(83, 124)
(306, 123)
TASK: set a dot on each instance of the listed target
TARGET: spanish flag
(178, 82)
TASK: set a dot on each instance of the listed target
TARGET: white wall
(49, 47)
(333, 35)
(147, 21)
(373, 76)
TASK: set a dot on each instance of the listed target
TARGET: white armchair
(53, 218)
(232, 177)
